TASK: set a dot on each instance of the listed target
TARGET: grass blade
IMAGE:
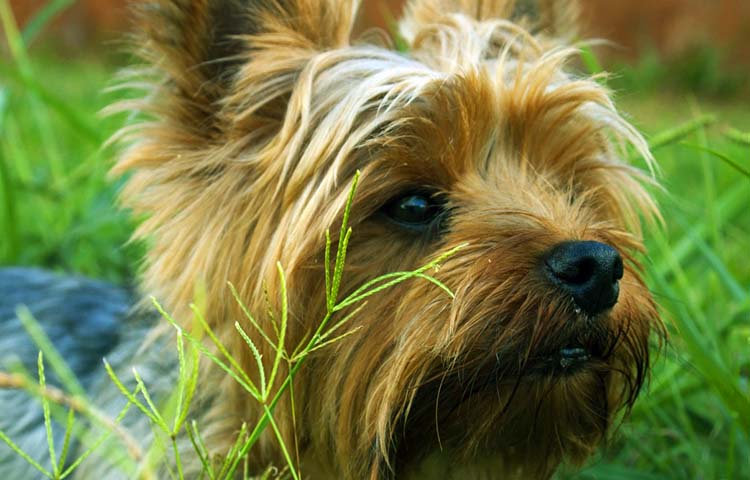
(280, 348)
(282, 444)
(47, 419)
(42, 18)
(24, 455)
(130, 396)
(258, 361)
(724, 158)
(674, 135)
(66, 440)
(55, 360)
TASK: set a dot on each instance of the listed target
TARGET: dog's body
(263, 112)
(86, 321)
(82, 318)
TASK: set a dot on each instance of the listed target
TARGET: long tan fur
(260, 113)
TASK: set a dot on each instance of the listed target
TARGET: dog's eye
(414, 210)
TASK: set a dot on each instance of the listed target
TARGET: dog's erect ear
(198, 46)
(557, 18)
(218, 78)
(193, 47)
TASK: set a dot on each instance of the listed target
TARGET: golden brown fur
(262, 111)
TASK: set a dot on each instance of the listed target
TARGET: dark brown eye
(416, 211)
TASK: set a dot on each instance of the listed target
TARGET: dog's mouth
(567, 360)
(571, 356)
(553, 361)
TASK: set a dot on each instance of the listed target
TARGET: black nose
(588, 271)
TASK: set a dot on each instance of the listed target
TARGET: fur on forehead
(263, 106)
(290, 77)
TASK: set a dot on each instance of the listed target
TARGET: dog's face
(476, 137)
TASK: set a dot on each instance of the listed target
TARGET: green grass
(57, 210)
(58, 206)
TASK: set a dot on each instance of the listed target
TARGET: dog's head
(476, 135)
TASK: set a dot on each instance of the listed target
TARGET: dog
(479, 139)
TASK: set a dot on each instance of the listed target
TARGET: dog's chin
(559, 398)
(563, 408)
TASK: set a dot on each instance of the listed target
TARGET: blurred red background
(672, 27)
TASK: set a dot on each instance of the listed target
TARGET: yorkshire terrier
(478, 134)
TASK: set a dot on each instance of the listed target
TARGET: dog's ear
(197, 47)
(556, 18)
(218, 78)
(191, 47)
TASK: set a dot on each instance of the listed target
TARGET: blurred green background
(681, 73)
